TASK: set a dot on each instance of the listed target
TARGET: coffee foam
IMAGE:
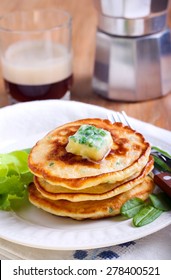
(36, 63)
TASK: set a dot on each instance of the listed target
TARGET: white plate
(21, 125)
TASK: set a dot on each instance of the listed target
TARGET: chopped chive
(110, 210)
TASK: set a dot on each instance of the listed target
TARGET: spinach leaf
(146, 215)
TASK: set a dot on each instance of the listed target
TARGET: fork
(162, 179)
(122, 117)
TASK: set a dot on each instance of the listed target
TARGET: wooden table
(157, 112)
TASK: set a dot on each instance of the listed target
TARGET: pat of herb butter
(90, 142)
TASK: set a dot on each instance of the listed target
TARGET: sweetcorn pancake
(99, 192)
(90, 209)
(50, 160)
(89, 168)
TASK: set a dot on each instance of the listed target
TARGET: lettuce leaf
(14, 177)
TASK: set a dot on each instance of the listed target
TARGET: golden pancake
(100, 192)
(90, 209)
(49, 159)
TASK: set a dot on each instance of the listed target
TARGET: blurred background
(84, 24)
(84, 17)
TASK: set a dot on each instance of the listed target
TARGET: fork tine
(112, 117)
(125, 118)
(115, 116)
(120, 117)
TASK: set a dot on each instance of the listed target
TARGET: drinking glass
(36, 54)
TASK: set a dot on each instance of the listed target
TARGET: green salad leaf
(161, 151)
(132, 207)
(14, 177)
(145, 212)
(146, 215)
(158, 162)
(161, 201)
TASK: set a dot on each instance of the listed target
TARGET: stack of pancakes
(72, 186)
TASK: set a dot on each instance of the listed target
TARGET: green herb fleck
(110, 209)
(90, 135)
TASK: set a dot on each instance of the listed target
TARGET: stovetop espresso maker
(133, 50)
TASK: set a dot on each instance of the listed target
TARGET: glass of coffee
(36, 54)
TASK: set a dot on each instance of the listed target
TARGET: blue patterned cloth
(113, 252)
